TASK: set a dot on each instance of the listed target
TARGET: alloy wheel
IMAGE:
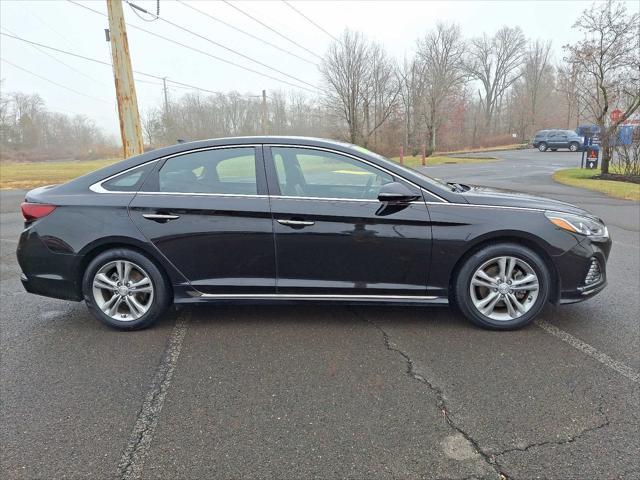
(504, 288)
(123, 290)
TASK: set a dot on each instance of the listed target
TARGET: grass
(37, 174)
(441, 159)
(583, 178)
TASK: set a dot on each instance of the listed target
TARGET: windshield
(432, 180)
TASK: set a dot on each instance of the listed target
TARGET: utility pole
(264, 113)
(130, 128)
(166, 98)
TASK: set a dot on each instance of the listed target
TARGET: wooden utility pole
(265, 130)
(130, 128)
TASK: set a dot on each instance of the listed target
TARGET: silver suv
(554, 139)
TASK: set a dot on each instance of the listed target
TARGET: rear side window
(130, 181)
(221, 171)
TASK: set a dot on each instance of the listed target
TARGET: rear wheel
(542, 147)
(502, 287)
(125, 290)
(573, 146)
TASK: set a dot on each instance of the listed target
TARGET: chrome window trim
(98, 188)
(355, 157)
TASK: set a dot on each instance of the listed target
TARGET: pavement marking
(578, 344)
(133, 457)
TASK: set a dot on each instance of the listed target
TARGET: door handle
(296, 223)
(160, 217)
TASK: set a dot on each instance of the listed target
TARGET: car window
(130, 181)
(221, 171)
(315, 173)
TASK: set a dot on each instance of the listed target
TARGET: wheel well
(532, 245)
(94, 252)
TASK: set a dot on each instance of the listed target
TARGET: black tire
(462, 284)
(542, 147)
(162, 294)
(573, 146)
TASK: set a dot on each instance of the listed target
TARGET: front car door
(208, 213)
(333, 236)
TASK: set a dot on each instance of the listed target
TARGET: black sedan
(271, 219)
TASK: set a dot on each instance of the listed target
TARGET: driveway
(330, 391)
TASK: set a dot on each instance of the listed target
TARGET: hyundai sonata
(273, 219)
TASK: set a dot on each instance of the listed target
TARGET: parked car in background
(554, 139)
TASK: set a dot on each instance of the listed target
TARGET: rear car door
(333, 236)
(208, 213)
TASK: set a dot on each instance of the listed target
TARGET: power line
(229, 49)
(54, 83)
(309, 20)
(200, 51)
(246, 33)
(95, 60)
(60, 61)
(270, 28)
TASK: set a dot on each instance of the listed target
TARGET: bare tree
(536, 66)
(608, 64)
(440, 56)
(496, 63)
(567, 85)
(363, 89)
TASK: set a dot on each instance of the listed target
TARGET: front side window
(221, 171)
(315, 173)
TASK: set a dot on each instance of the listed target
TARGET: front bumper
(575, 267)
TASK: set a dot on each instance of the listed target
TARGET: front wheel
(573, 147)
(502, 287)
(542, 147)
(125, 290)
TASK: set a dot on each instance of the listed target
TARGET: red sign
(615, 115)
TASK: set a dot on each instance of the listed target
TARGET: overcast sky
(395, 24)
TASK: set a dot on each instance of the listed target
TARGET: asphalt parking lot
(330, 391)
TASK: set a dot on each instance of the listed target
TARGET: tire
(526, 262)
(138, 305)
(573, 146)
(542, 147)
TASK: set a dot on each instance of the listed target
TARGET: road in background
(330, 391)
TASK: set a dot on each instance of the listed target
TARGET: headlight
(577, 224)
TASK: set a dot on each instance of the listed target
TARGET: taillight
(34, 211)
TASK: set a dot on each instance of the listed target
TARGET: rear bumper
(45, 272)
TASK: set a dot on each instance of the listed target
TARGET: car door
(552, 139)
(333, 236)
(208, 213)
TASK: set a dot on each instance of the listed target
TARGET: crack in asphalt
(605, 423)
(441, 403)
(489, 457)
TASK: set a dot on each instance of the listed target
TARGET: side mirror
(397, 192)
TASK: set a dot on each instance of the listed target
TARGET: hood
(508, 198)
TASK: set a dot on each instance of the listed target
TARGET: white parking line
(133, 457)
(578, 344)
